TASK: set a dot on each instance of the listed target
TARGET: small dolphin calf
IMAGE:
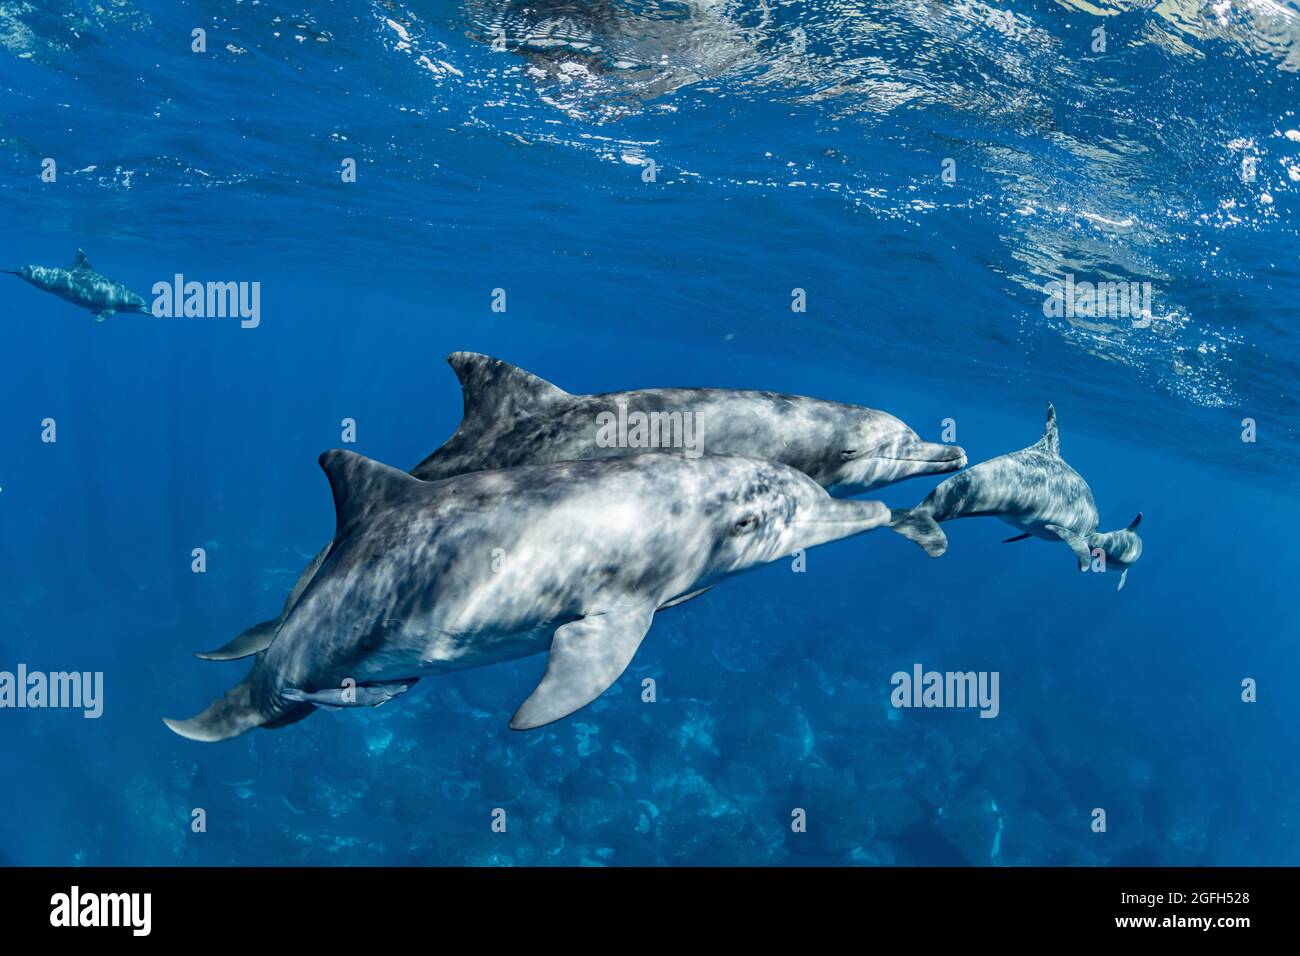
(83, 286)
(427, 577)
(1032, 489)
(514, 418)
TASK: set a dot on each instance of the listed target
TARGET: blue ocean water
(919, 170)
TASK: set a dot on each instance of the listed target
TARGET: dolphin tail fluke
(256, 638)
(919, 527)
(226, 717)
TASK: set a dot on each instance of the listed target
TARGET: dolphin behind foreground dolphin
(1033, 490)
(575, 557)
(82, 286)
(512, 418)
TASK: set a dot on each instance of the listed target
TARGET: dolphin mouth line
(928, 461)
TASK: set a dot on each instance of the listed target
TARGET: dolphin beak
(951, 457)
(838, 518)
(944, 458)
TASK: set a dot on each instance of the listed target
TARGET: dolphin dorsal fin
(79, 262)
(1136, 521)
(1051, 440)
(494, 388)
(362, 487)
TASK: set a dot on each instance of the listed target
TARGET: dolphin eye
(747, 523)
(850, 453)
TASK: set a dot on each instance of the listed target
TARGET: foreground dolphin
(1032, 489)
(83, 286)
(428, 577)
(514, 418)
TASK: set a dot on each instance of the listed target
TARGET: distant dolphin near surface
(513, 418)
(82, 286)
(575, 557)
(1033, 490)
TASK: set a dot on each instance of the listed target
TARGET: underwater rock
(547, 762)
(1003, 773)
(848, 707)
(836, 819)
(496, 858)
(893, 809)
(1025, 837)
(777, 733)
(594, 808)
(349, 758)
(501, 780)
(971, 821)
(691, 742)
(618, 765)
(1188, 833)
(162, 815)
(879, 853)
(332, 797)
(586, 738)
(742, 782)
(698, 818)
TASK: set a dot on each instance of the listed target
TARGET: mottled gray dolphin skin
(1033, 490)
(84, 287)
(574, 557)
(514, 418)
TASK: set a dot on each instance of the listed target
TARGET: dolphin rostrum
(428, 577)
(1032, 489)
(83, 286)
(514, 418)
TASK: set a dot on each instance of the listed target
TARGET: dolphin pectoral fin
(354, 695)
(106, 314)
(293, 693)
(1076, 542)
(587, 656)
(1123, 576)
(249, 642)
(1019, 537)
(685, 597)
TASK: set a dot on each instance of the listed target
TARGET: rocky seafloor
(764, 715)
